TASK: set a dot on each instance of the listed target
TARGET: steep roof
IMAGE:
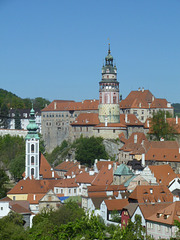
(84, 177)
(61, 105)
(104, 176)
(34, 198)
(164, 174)
(116, 204)
(104, 188)
(150, 193)
(143, 99)
(102, 163)
(166, 215)
(66, 165)
(45, 169)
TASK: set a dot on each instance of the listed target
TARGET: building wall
(4, 209)
(13, 132)
(18, 196)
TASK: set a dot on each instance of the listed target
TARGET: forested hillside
(11, 100)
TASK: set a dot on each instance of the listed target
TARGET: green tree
(4, 179)
(17, 166)
(17, 120)
(89, 149)
(4, 112)
(160, 128)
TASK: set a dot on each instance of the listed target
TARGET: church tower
(32, 149)
(109, 111)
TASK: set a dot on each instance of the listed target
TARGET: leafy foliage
(17, 120)
(89, 149)
(3, 181)
(17, 166)
(160, 128)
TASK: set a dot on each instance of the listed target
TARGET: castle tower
(109, 111)
(32, 149)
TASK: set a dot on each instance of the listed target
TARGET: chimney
(139, 89)
(142, 89)
(176, 119)
(135, 138)
(126, 118)
(109, 166)
(105, 121)
(152, 98)
(148, 123)
(54, 105)
(52, 174)
(34, 198)
(143, 160)
(66, 160)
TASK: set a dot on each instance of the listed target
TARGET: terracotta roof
(152, 194)
(111, 125)
(75, 170)
(61, 105)
(149, 209)
(131, 120)
(19, 209)
(164, 174)
(104, 188)
(98, 200)
(84, 177)
(34, 198)
(101, 164)
(138, 146)
(135, 99)
(33, 186)
(104, 176)
(86, 119)
(67, 183)
(131, 207)
(116, 204)
(175, 122)
(165, 151)
(66, 165)
(45, 168)
(143, 99)
(5, 199)
(166, 215)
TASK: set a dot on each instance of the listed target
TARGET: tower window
(32, 171)
(32, 148)
(32, 160)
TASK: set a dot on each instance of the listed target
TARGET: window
(69, 190)
(159, 228)
(61, 191)
(1, 208)
(14, 198)
(32, 171)
(32, 148)
(56, 190)
(114, 130)
(74, 190)
(32, 160)
(167, 229)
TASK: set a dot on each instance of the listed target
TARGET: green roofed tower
(32, 149)
(109, 92)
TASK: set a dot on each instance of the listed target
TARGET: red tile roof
(45, 169)
(150, 193)
(87, 119)
(84, 177)
(116, 204)
(60, 105)
(165, 151)
(33, 186)
(143, 99)
(67, 183)
(167, 215)
(101, 164)
(104, 176)
(67, 165)
(34, 198)
(104, 188)
(164, 174)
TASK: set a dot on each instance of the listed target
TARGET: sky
(55, 49)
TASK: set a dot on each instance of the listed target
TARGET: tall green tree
(17, 120)
(160, 128)
(89, 149)
(4, 112)
(4, 179)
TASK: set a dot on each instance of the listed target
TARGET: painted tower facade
(109, 111)
(32, 149)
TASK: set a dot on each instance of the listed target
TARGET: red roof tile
(67, 183)
(86, 119)
(60, 105)
(104, 176)
(116, 204)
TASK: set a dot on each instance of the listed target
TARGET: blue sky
(55, 48)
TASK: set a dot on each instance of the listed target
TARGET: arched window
(32, 171)
(32, 147)
(32, 160)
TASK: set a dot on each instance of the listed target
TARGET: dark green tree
(160, 128)
(4, 179)
(17, 166)
(17, 120)
(89, 149)
(4, 112)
